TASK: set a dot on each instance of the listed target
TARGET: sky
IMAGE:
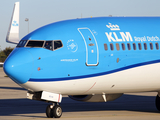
(43, 12)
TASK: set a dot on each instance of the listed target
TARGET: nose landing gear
(157, 102)
(54, 110)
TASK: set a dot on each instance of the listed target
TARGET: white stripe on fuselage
(138, 79)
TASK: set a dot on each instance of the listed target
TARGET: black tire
(158, 103)
(49, 112)
(57, 111)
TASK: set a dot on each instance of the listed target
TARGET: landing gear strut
(158, 102)
(54, 110)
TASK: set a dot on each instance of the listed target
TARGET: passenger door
(92, 53)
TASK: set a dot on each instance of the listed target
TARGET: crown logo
(113, 27)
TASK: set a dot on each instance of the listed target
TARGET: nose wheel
(54, 111)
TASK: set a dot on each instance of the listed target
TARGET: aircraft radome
(90, 59)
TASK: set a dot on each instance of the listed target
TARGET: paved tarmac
(15, 106)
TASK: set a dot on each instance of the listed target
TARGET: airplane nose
(18, 66)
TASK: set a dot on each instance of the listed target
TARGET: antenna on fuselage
(13, 31)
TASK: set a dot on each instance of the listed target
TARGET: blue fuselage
(91, 47)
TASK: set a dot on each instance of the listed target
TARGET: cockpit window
(57, 44)
(48, 45)
(22, 43)
(35, 43)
